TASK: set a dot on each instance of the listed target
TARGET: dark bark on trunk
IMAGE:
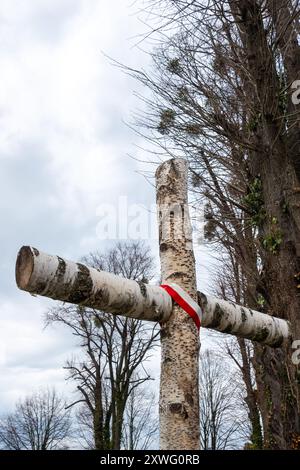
(99, 438)
(278, 390)
(251, 399)
(117, 424)
(286, 37)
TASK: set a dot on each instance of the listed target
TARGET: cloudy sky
(63, 157)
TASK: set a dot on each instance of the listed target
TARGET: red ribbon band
(185, 301)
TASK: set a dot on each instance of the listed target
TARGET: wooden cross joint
(52, 276)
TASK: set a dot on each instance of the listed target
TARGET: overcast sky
(63, 154)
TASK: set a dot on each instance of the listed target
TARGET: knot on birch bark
(178, 408)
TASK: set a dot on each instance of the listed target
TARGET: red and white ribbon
(185, 301)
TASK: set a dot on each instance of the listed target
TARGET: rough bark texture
(179, 388)
(233, 319)
(54, 277)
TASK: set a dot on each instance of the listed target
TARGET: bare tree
(223, 418)
(85, 427)
(113, 349)
(39, 422)
(239, 354)
(140, 425)
(140, 428)
(232, 286)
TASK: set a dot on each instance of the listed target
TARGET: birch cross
(67, 281)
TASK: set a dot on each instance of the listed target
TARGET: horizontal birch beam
(228, 317)
(51, 276)
(67, 281)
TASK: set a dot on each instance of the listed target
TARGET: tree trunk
(287, 37)
(117, 422)
(277, 377)
(179, 388)
(98, 430)
(98, 417)
(251, 399)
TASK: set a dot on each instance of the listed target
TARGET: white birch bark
(243, 322)
(54, 277)
(179, 389)
(59, 279)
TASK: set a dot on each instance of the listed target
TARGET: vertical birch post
(179, 388)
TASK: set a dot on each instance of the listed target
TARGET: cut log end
(24, 267)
